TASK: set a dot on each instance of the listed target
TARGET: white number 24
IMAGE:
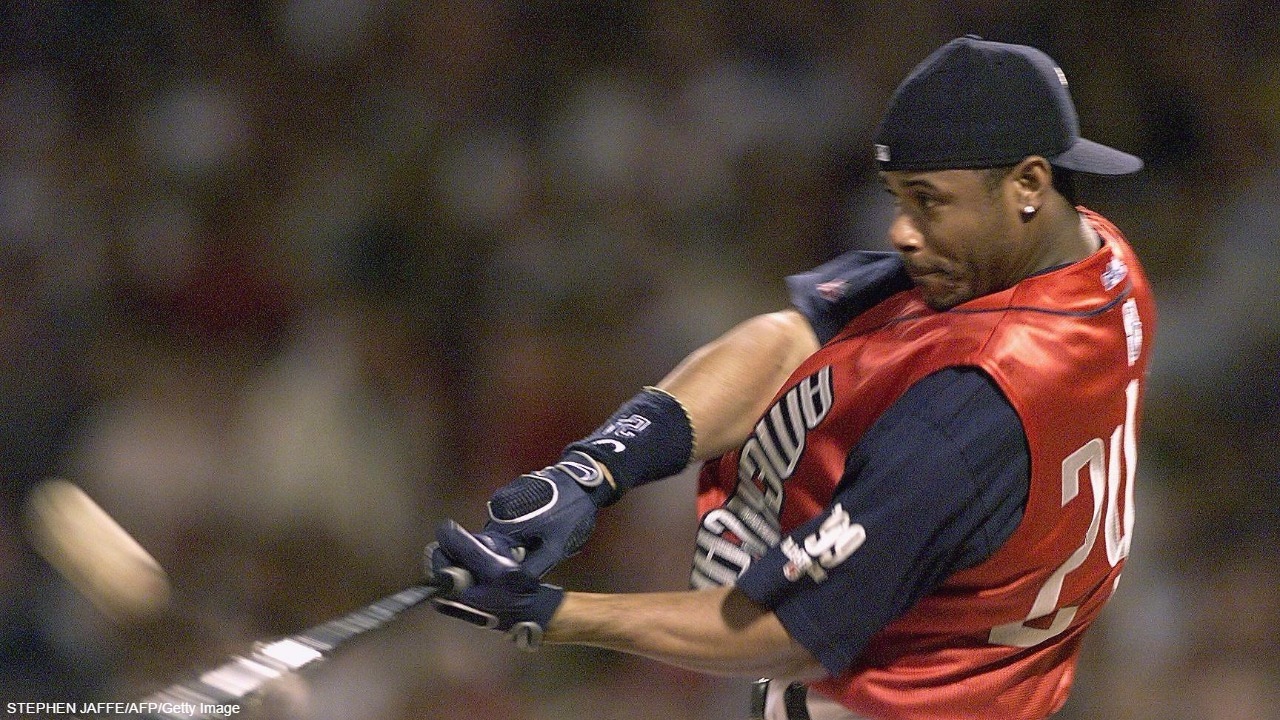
(1105, 479)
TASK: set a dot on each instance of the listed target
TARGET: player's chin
(942, 293)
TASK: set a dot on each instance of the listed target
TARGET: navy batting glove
(551, 512)
(501, 595)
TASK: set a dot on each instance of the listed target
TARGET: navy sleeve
(834, 293)
(936, 485)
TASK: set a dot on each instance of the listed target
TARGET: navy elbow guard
(649, 438)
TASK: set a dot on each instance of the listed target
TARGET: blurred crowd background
(284, 284)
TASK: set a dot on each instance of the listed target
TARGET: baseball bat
(237, 680)
(102, 560)
(97, 556)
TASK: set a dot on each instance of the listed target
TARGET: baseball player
(918, 483)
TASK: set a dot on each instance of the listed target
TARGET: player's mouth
(940, 288)
(920, 273)
(933, 284)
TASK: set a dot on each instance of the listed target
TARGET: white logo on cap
(1062, 77)
(882, 153)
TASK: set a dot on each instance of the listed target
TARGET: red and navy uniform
(937, 572)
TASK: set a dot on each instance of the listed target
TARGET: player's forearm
(718, 631)
(726, 384)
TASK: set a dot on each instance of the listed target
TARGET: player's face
(958, 233)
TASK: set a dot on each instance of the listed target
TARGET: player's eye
(926, 201)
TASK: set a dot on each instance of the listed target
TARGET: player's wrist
(552, 511)
(649, 438)
(590, 475)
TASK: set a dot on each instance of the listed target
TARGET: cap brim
(1091, 157)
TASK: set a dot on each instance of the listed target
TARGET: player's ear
(1030, 182)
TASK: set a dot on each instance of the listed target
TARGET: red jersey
(1069, 349)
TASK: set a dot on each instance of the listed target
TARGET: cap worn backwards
(974, 103)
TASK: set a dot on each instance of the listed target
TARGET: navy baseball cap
(974, 103)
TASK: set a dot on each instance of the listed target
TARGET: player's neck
(1068, 239)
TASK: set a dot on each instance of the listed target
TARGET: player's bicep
(842, 576)
(936, 485)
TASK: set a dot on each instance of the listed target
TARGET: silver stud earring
(1028, 212)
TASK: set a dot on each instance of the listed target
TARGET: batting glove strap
(649, 438)
(550, 513)
(501, 596)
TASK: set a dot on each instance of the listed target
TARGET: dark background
(284, 284)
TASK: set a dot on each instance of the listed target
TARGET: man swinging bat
(918, 482)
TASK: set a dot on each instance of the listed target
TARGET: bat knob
(445, 578)
(452, 580)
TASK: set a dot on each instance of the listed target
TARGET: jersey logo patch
(832, 290)
(1115, 273)
(836, 539)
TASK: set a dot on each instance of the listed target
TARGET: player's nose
(904, 234)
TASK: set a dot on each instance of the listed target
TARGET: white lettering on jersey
(767, 459)
(1050, 615)
(1132, 329)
